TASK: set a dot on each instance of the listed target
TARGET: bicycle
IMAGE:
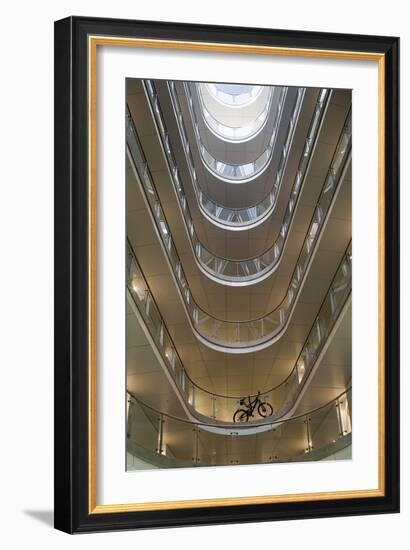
(264, 409)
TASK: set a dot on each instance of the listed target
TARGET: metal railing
(218, 214)
(281, 397)
(252, 270)
(242, 172)
(255, 334)
(310, 436)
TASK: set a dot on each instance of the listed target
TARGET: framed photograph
(226, 274)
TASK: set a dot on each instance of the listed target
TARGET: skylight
(234, 94)
(234, 112)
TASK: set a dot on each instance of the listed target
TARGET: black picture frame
(72, 382)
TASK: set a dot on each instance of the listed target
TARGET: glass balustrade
(226, 217)
(282, 397)
(224, 270)
(168, 441)
(230, 172)
(241, 272)
(255, 334)
(253, 215)
(233, 218)
(240, 173)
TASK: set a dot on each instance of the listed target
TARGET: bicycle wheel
(265, 409)
(240, 416)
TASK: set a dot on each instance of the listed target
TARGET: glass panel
(282, 397)
(344, 413)
(289, 439)
(210, 207)
(204, 403)
(247, 333)
(324, 427)
(180, 438)
(143, 426)
(180, 443)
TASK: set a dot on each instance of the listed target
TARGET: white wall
(26, 268)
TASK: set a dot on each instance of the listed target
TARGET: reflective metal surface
(241, 336)
(252, 270)
(174, 442)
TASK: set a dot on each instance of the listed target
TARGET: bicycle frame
(251, 404)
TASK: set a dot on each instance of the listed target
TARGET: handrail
(232, 218)
(240, 426)
(255, 334)
(283, 396)
(320, 431)
(236, 173)
(246, 271)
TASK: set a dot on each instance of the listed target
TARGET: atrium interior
(239, 274)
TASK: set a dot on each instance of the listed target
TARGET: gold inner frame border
(93, 43)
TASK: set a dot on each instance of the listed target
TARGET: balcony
(162, 440)
(220, 269)
(255, 334)
(283, 398)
